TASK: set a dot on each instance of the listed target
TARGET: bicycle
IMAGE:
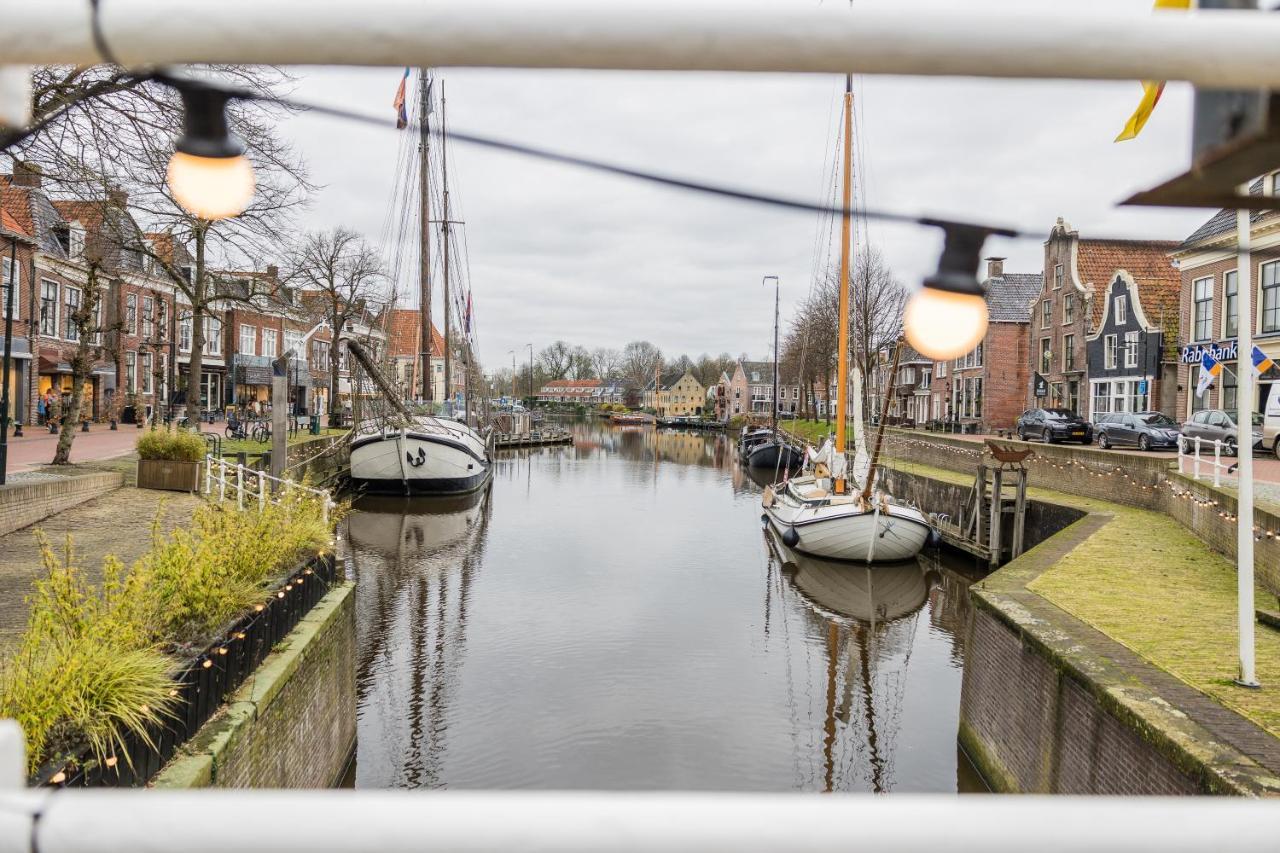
(262, 432)
(236, 428)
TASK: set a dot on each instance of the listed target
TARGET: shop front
(19, 371)
(1223, 393)
(56, 376)
(251, 380)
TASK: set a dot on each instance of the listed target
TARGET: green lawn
(814, 432)
(1148, 583)
(231, 446)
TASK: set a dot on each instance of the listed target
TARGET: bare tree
(85, 323)
(580, 364)
(605, 361)
(639, 361)
(876, 304)
(113, 128)
(342, 275)
(556, 361)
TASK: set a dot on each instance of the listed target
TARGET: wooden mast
(444, 237)
(424, 236)
(842, 371)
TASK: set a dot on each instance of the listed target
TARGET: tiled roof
(763, 369)
(1009, 296)
(1224, 221)
(1146, 260)
(10, 227)
(572, 383)
(910, 356)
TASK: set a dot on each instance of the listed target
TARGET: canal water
(611, 615)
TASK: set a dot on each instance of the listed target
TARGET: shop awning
(53, 365)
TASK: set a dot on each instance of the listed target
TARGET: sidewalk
(37, 446)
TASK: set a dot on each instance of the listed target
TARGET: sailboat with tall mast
(819, 514)
(408, 454)
(773, 452)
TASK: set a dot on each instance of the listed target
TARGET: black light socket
(961, 256)
(205, 132)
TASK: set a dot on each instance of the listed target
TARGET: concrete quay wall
(292, 724)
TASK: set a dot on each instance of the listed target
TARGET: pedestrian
(40, 410)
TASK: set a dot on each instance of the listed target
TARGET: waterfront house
(404, 349)
(912, 396)
(1209, 304)
(677, 394)
(580, 391)
(751, 388)
(986, 388)
(1068, 311)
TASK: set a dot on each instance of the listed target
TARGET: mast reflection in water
(610, 615)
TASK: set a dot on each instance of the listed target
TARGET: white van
(1271, 423)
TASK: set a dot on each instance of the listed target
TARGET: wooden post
(997, 514)
(1020, 514)
(279, 413)
(980, 492)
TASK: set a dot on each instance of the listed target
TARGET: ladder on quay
(999, 492)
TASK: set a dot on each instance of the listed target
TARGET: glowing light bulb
(943, 325)
(211, 187)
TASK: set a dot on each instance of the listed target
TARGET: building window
(130, 372)
(1271, 297)
(148, 317)
(1069, 352)
(1109, 346)
(1229, 399)
(248, 339)
(1046, 312)
(269, 343)
(49, 308)
(162, 321)
(212, 336)
(71, 304)
(320, 354)
(131, 314)
(1101, 399)
(1068, 309)
(1046, 355)
(1231, 305)
(1073, 395)
(1122, 310)
(1057, 277)
(184, 332)
(1197, 402)
(1202, 309)
(147, 375)
(12, 272)
(1130, 349)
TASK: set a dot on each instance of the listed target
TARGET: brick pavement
(37, 446)
(118, 523)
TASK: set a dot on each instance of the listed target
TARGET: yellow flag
(1151, 89)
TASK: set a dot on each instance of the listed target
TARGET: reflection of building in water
(413, 561)
(867, 618)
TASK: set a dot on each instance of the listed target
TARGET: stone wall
(1030, 727)
(26, 502)
(292, 724)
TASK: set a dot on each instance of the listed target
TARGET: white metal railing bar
(1223, 49)
(257, 485)
(401, 821)
(1192, 449)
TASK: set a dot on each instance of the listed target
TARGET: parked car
(1220, 425)
(1143, 430)
(1053, 425)
(1271, 424)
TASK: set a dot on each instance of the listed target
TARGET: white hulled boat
(421, 456)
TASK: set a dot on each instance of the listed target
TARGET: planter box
(169, 476)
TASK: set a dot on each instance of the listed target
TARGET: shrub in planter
(170, 460)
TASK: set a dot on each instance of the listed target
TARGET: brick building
(1209, 298)
(404, 344)
(1068, 312)
(986, 389)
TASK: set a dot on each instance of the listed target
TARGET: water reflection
(610, 616)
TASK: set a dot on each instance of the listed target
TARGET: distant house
(678, 394)
(751, 388)
(583, 391)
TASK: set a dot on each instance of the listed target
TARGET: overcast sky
(559, 253)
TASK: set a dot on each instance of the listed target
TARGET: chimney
(26, 174)
(118, 197)
(273, 272)
(995, 267)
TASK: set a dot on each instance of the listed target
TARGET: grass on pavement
(231, 446)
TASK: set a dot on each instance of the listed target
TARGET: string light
(208, 173)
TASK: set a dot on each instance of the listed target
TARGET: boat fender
(935, 537)
(791, 538)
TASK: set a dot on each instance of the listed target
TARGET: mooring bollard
(1217, 462)
(1196, 469)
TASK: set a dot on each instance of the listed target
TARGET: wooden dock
(537, 438)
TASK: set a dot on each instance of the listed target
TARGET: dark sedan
(1143, 430)
(1054, 425)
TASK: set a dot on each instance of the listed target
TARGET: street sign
(1142, 386)
(1041, 386)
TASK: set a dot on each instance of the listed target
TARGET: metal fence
(202, 685)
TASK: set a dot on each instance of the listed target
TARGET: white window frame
(131, 313)
(1068, 309)
(251, 348)
(146, 365)
(1046, 313)
(70, 307)
(185, 330)
(10, 274)
(148, 317)
(269, 342)
(1207, 284)
(1058, 276)
(1230, 277)
(1131, 341)
(45, 283)
(1110, 351)
(1046, 355)
(130, 372)
(1121, 310)
(212, 335)
(1068, 352)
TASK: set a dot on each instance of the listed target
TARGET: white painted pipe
(392, 822)
(1246, 382)
(1210, 48)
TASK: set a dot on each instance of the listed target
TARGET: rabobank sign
(1221, 351)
